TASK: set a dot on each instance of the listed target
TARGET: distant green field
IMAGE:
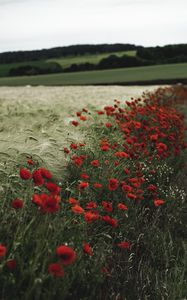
(5, 68)
(124, 75)
(64, 62)
(90, 58)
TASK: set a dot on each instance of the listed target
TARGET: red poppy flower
(25, 174)
(124, 245)
(110, 221)
(158, 202)
(84, 176)
(75, 123)
(11, 264)
(56, 269)
(95, 163)
(108, 125)
(77, 161)
(152, 188)
(121, 154)
(73, 146)
(66, 150)
(66, 254)
(77, 209)
(37, 177)
(91, 205)
(113, 184)
(107, 206)
(3, 250)
(131, 196)
(73, 201)
(47, 203)
(91, 216)
(83, 118)
(122, 206)
(127, 172)
(52, 188)
(30, 162)
(45, 173)
(87, 249)
(105, 148)
(17, 203)
(98, 185)
(83, 185)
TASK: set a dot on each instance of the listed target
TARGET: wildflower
(113, 184)
(77, 209)
(52, 188)
(3, 250)
(124, 245)
(91, 216)
(11, 264)
(98, 185)
(66, 254)
(108, 125)
(17, 204)
(83, 185)
(121, 154)
(84, 176)
(66, 150)
(91, 205)
(158, 202)
(152, 188)
(110, 221)
(30, 162)
(45, 173)
(77, 161)
(75, 123)
(107, 206)
(56, 269)
(87, 249)
(73, 201)
(94, 163)
(37, 177)
(25, 174)
(127, 172)
(83, 118)
(73, 146)
(131, 196)
(105, 148)
(122, 206)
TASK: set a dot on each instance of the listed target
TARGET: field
(93, 59)
(93, 193)
(115, 76)
(64, 62)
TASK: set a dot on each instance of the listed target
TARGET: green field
(115, 76)
(64, 62)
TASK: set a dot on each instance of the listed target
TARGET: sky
(38, 24)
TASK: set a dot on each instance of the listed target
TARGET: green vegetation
(65, 62)
(107, 218)
(125, 75)
(5, 68)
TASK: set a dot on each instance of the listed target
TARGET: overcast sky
(37, 24)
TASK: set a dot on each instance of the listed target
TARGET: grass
(155, 264)
(63, 61)
(124, 75)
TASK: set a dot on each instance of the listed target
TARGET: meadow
(93, 193)
(115, 76)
